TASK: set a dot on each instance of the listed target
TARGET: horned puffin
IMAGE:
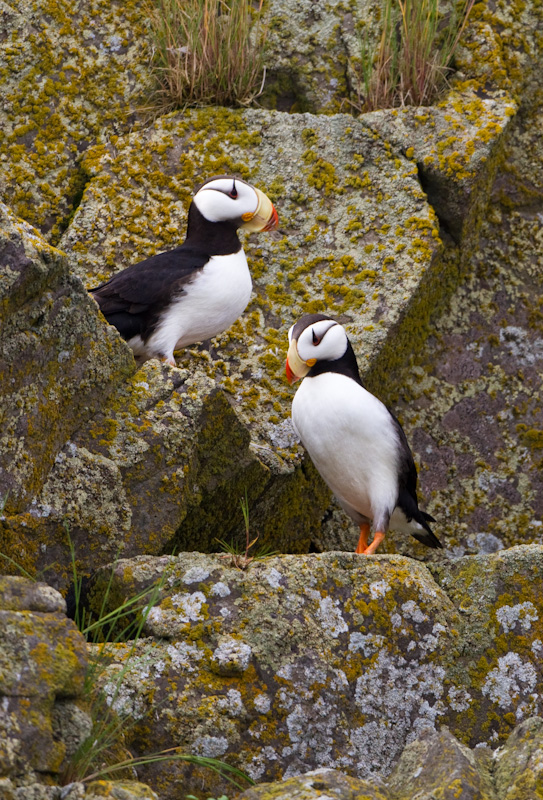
(199, 289)
(355, 442)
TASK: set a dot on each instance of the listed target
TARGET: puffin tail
(427, 536)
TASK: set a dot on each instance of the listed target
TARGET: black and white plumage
(355, 442)
(197, 290)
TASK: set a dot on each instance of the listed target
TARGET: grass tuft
(207, 52)
(412, 60)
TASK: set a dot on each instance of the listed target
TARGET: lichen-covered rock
(334, 661)
(297, 663)
(450, 143)
(344, 249)
(471, 402)
(58, 363)
(42, 666)
(518, 772)
(317, 785)
(165, 464)
(69, 71)
(95, 790)
(497, 670)
(438, 765)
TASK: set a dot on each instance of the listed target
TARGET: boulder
(58, 361)
(332, 661)
(70, 70)
(43, 661)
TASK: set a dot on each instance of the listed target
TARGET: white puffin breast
(211, 303)
(351, 439)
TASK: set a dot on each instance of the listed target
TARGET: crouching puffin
(197, 290)
(355, 442)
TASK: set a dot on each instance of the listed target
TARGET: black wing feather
(407, 493)
(132, 299)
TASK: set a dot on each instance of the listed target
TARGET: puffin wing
(141, 290)
(407, 491)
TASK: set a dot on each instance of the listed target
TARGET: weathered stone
(436, 765)
(497, 669)
(58, 362)
(339, 203)
(519, 763)
(42, 666)
(471, 402)
(450, 144)
(119, 790)
(69, 70)
(318, 785)
(335, 661)
(296, 663)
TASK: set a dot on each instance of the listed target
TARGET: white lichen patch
(220, 589)
(367, 644)
(210, 746)
(510, 681)
(188, 606)
(195, 575)
(262, 703)
(459, 699)
(232, 703)
(231, 656)
(379, 589)
(330, 616)
(523, 614)
(273, 577)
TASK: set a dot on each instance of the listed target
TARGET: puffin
(197, 290)
(355, 442)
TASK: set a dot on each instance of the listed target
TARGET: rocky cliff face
(420, 229)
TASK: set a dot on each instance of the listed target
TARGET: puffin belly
(210, 304)
(349, 436)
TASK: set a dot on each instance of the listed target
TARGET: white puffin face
(324, 340)
(231, 199)
(313, 338)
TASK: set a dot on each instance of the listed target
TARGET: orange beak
(291, 377)
(273, 221)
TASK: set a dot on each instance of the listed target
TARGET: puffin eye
(233, 191)
(316, 339)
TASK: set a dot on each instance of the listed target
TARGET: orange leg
(170, 361)
(377, 539)
(363, 540)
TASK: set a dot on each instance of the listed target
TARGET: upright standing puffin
(197, 290)
(355, 442)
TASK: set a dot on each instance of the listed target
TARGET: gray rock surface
(42, 667)
(303, 662)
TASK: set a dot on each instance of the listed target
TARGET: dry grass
(412, 60)
(207, 52)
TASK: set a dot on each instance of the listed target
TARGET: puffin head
(313, 338)
(229, 199)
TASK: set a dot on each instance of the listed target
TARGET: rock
(70, 72)
(296, 663)
(317, 785)
(58, 361)
(303, 662)
(42, 667)
(119, 790)
(518, 770)
(437, 765)
(336, 221)
(450, 143)
(497, 669)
